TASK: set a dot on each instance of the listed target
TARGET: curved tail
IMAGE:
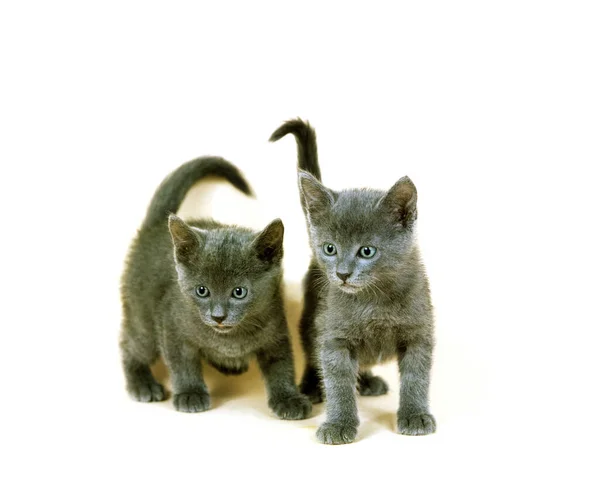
(171, 192)
(306, 140)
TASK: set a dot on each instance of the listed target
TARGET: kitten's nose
(218, 319)
(342, 276)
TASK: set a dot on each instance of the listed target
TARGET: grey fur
(164, 315)
(380, 311)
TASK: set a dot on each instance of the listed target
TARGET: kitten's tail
(171, 192)
(306, 140)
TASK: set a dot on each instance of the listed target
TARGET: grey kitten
(202, 291)
(366, 297)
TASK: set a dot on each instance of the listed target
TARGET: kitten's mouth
(348, 288)
(222, 329)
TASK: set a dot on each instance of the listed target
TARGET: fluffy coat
(205, 292)
(366, 297)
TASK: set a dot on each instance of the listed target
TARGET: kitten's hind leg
(138, 352)
(141, 384)
(311, 384)
(371, 385)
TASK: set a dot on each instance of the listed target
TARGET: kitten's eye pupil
(367, 251)
(239, 292)
(202, 291)
(329, 249)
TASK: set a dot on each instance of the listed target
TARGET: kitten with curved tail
(199, 291)
(366, 297)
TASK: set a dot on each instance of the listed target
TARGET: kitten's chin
(348, 289)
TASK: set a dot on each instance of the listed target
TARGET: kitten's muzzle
(345, 286)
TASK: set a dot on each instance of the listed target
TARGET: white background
(492, 108)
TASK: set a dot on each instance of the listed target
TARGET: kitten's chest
(374, 341)
(365, 320)
(375, 338)
(374, 333)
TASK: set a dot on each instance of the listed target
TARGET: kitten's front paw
(416, 425)
(147, 392)
(295, 407)
(369, 385)
(336, 433)
(192, 402)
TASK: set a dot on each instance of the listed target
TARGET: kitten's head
(229, 273)
(359, 237)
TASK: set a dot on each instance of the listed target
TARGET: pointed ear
(401, 202)
(269, 243)
(316, 198)
(185, 240)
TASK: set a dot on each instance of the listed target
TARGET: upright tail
(306, 140)
(171, 192)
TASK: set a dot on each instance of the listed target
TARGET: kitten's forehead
(227, 253)
(356, 211)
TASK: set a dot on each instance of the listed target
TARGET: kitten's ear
(401, 201)
(185, 240)
(269, 243)
(316, 198)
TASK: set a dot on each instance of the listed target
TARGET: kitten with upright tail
(366, 297)
(202, 292)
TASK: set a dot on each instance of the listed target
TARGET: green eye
(367, 252)
(202, 291)
(329, 249)
(239, 292)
